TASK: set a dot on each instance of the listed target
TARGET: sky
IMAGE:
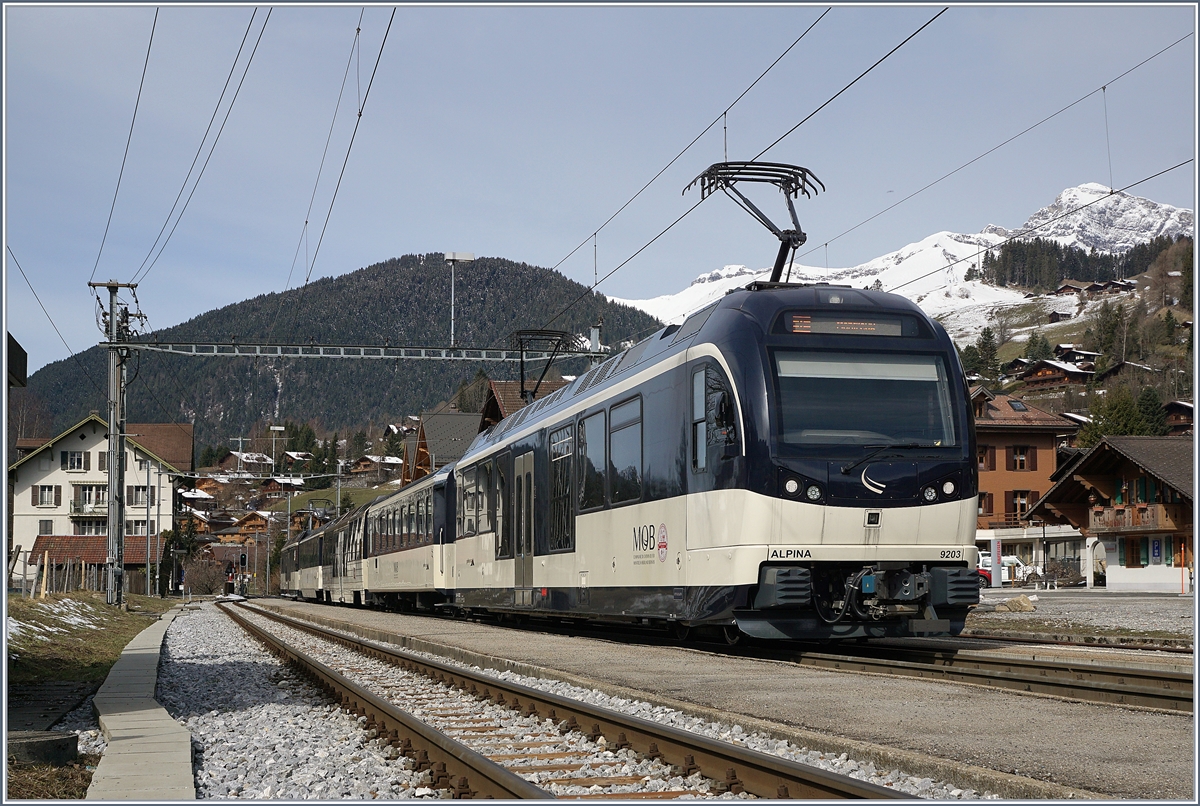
(517, 132)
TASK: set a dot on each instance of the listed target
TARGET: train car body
(409, 549)
(790, 462)
(315, 566)
(347, 536)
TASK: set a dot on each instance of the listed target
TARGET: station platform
(149, 754)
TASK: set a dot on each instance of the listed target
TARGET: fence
(29, 574)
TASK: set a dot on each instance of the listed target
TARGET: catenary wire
(995, 148)
(718, 118)
(765, 150)
(128, 140)
(1025, 232)
(350, 147)
(70, 352)
(203, 140)
(216, 139)
(852, 83)
(354, 48)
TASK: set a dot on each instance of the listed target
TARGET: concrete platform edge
(964, 776)
(126, 709)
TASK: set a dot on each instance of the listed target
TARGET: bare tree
(202, 576)
(1002, 326)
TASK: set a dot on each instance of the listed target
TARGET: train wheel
(678, 632)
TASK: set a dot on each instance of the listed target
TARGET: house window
(1020, 458)
(45, 495)
(46, 527)
(136, 496)
(985, 503)
(1021, 503)
(75, 460)
(91, 526)
(137, 527)
(141, 464)
(986, 457)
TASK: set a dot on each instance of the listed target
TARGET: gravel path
(1087, 611)
(259, 731)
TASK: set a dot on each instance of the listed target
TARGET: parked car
(1013, 570)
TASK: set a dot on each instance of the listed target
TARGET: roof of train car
(441, 474)
(657, 346)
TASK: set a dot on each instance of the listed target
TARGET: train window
(699, 423)
(591, 462)
(562, 504)
(483, 482)
(469, 502)
(625, 451)
(503, 523)
(429, 518)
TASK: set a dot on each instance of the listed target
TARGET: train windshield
(857, 398)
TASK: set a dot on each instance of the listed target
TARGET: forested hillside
(1042, 265)
(402, 301)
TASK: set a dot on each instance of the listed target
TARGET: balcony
(87, 509)
(1136, 519)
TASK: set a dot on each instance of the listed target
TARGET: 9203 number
(952, 554)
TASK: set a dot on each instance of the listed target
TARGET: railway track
(478, 735)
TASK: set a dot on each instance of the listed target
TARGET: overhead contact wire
(128, 140)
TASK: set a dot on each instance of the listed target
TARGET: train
(792, 462)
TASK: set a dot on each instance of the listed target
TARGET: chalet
(1085, 359)
(1078, 287)
(246, 461)
(1131, 497)
(441, 439)
(296, 460)
(1016, 366)
(377, 466)
(1017, 446)
(1058, 316)
(279, 486)
(504, 398)
(1117, 286)
(1047, 374)
(1179, 417)
(1137, 373)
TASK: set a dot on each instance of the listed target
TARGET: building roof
(252, 458)
(299, 456)
(1167, 458)
(1009, 412)
(449, 434)
(91, 549)
(156, 436)
(1059, 365)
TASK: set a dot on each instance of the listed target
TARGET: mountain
(932, 272)
(402, 301)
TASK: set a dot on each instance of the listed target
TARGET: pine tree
(969, 356)
(986, 345)
(1114, 414)
(1154, 418)
(1038, 347)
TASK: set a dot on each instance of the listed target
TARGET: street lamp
(452, 258)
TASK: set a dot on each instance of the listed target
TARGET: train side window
(483, 484)
(429, 518)
(416, 522)
(625, 451)
(699, 423)
(503, 523)
(591, 462)
(562, 504)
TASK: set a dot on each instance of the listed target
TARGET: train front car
(850, 511)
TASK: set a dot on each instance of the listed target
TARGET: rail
(758, 773)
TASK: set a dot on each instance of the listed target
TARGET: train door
(523, 495)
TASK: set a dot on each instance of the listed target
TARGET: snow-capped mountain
(930, 272)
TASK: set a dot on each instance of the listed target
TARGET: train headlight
(948, 488)
(813, 493)
(929, 494)
(791, 487)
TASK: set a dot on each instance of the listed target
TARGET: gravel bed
(259, 731)
(82, 721)
(1079, 613)
(916, 786)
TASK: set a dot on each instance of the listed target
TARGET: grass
(45, 782)
(72, 636)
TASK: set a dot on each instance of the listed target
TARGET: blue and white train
(792, 462)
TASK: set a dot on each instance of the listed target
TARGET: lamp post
(452, 258)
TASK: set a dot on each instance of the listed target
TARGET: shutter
(151, 489)
(62, 456)
(129, 495)
(1010, 459)
(58, 495)
(1120, 551)
(1010, 504)
(78, 528)
(991, 457)
(87, 460)
(991, 506)
(153, 530)
(102, 461)
(1033, 452)
(1145, 551)
(33, 498)
(1034, 496)
(77, 494)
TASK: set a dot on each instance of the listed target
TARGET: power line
(70, 352)
(354, 47)
(200, 148)
(216, 139)
(353, 134)
(718, 118)
(997, 147)
(852, 83)
(1024, 232)
(128, 140)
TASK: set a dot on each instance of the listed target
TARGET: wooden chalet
(504, 398)
(1179, 417)
(1048, 374)
(441, 439)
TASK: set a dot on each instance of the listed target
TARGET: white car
(1013, 569)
